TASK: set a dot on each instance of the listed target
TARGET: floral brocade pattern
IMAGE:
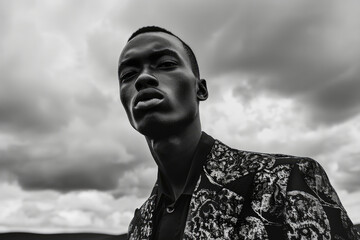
(270, 192)
(213, 215)
(253, 228)
(226, 165)
(316, 179)
(305, 217)
(141, 226)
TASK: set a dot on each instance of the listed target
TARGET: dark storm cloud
(202, 22)
(336, 101)
(31, 113)
(63, 171)
(38, 98)
(297, 53)
(43, 110)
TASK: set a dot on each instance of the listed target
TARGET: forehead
(147, 43)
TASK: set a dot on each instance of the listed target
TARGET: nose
(145, 80)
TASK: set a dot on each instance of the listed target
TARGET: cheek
(186, 91)
(185, 99)
(184, 86)
(125, 97)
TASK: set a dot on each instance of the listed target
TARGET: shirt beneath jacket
(248, 195)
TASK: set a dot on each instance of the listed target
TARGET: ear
(202, 92)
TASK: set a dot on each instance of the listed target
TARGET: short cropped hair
(189, 51)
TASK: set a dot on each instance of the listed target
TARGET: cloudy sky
(283, 76)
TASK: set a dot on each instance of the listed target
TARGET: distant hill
(60, 236)
(70, 236)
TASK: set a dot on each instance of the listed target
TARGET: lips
(147, 98)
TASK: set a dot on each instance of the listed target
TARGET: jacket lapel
(213, 211)
(141, 226)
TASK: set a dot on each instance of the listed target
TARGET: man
(205, 189)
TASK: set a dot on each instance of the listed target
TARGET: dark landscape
(60, 236)
(69, 236)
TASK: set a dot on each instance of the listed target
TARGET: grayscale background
(283, 77)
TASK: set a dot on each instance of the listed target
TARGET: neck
(173, 155)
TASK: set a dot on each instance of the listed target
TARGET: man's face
(157, 85)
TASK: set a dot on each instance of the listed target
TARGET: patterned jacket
(249, 195)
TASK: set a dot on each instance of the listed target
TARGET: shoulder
(285, 191)
(225, 164)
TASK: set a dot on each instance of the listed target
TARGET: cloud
(292, 50)
(338, 100)
(345, 167)
(80, 211)
(138, 182)
(53, 169)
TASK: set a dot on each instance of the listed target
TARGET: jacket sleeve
(312, 208)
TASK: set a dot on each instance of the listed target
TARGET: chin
(154, 127)
(154, 131)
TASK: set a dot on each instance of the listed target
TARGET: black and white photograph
(168, 119)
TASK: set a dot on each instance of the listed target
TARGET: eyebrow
(152, 56)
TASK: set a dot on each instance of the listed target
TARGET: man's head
(159, 82)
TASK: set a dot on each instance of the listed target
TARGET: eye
(168, 64)
(127, 75)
